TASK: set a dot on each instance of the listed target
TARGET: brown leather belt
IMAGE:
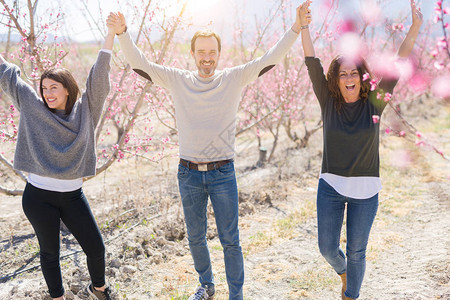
(206, 166)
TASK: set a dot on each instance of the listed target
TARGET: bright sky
(217, 14)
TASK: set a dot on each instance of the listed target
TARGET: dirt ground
(138, 208)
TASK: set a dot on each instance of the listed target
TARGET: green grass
(319, 278)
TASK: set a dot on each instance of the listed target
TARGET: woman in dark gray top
(351, 103)
(56, 146)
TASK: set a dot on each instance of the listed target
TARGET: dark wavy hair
(333, 79)
(64, 77)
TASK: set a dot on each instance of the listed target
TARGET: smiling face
(58, 89)
(349, 81)
(54, 93)
(206, 54)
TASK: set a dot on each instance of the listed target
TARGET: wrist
(416, 25)
(296, 28)
(302, 27)
(125, 30)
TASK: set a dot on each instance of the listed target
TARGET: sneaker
(203, 293)
(99, 295)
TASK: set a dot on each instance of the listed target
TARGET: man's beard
(207, 70)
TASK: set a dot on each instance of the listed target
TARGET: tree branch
(5, 162)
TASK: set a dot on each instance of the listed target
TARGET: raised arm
(12, 85)
(410, 39)
(156, 73)
(250, 71)
(109, 39)
(297, 27)
(304, 14)
(97, 83)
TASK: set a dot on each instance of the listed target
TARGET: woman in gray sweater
(56, 147)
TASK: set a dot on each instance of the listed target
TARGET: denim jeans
(44, 209)
(220, 185)
(360, 216)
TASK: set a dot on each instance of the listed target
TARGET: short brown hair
(333, 79)
(64, 77)
(205, 33)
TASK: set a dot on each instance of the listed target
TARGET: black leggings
(44, 209)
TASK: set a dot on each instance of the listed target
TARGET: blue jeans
(360, 216)
(220, 185)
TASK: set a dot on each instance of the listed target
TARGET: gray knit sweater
(52, 145)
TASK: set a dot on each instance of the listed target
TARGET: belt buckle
(202, 167)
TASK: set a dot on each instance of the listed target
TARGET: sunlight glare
(201, 6)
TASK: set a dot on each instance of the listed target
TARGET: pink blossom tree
(138, 119)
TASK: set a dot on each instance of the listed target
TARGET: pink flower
(387, 97)
(375, 119)
(366, 76)
(439, 65)
(398, 26)
(373, 85)
(420, 143)
(388, 130)
(418, 134)
(401, 133)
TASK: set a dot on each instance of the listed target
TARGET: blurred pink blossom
(405, 68)
(370, 11)
(419, 82)
(346, 26)
(388, 67)
(401, 159)
(351, 46)
(388, 130)
(441, 87)
(375, 119)
(439, 65)
(442, 43)
(402, 133)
